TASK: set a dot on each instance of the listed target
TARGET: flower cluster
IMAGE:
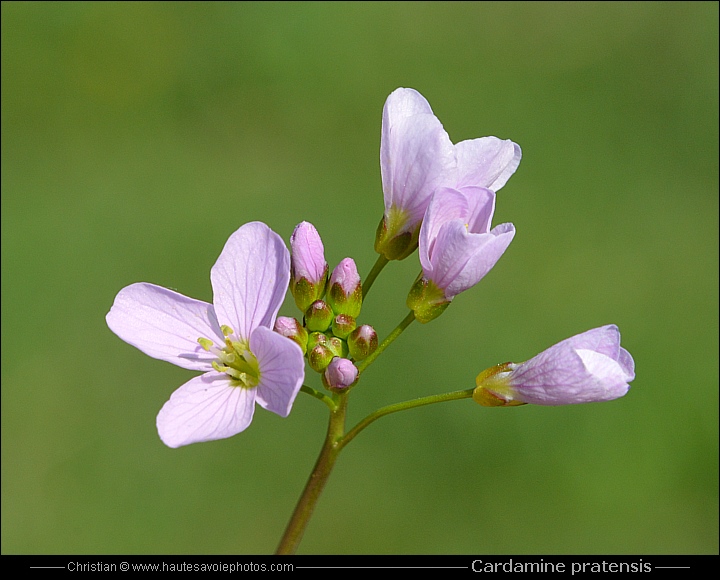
(329, 335)
(440, 199)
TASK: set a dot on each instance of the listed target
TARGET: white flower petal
(418, 161)
(282, 370)
(204, 409)
(165, 325)
(486, 162)
(250, 279)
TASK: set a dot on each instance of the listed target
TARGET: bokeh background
(137, 137)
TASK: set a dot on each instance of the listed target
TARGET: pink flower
(457, 246)
(417, 157)
(231, 340)
(585, 368)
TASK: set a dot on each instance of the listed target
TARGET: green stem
(317, 480)
(381, 262)
(454, 396)
(387, 342)
(318, 395)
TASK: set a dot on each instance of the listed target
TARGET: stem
(381, 262)
(318, 395)
(387, 342)
(316, 482)
(454, 396)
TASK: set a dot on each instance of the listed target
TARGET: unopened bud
(340, 374)
(318, 316)
(337, 346)
(342, 325)
(308, 268)
(319, 357)
(292, 329)
(344, 293)
(362, 342)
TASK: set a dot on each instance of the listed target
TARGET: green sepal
(305, 292)
(391, 242)
(426, 300)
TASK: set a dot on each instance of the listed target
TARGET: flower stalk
(317, 480)
(387, 342)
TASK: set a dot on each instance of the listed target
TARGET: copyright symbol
(124, 566)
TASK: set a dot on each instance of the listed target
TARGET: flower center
(234, 359)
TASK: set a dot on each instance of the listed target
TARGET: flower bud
(362, 342)
(337, 346)
(308, 268)
(291, 328)
(319, 316)
(345, 289)
(340, 374)
(319, 357)
(426, 300)
(342, 325)
(585, 368)
(315, 338)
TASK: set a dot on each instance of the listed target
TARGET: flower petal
(446, 204)
(461, 259)
(416, 155)
(165, 325)
(204, 409)
(605, 340)
(481, 207)
(282, 370)
(403, 103)
(250, 279)
(308, 254)
(486, 162)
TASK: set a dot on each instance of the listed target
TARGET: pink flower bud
(345, 289)
(340, 373)
(307, 264)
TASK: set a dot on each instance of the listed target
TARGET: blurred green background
(137, 137)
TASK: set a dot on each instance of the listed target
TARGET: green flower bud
(315, 338)
(318, 316)
(337, 346)
(342, 325)
(426, 300)
(362, 342)
(319, 357)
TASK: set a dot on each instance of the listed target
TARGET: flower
(457, 247)
(231, 340)
(417, 157)
(585, 368)
(307, 265)
(340, 373)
